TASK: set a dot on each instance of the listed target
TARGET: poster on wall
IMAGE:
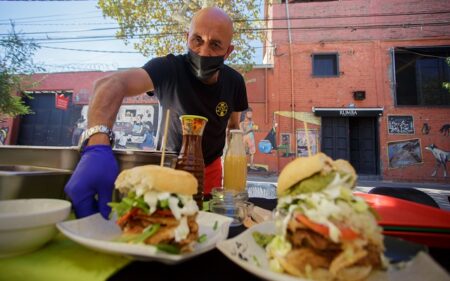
(404, 153)
(285, 144)
(135, 127)
(302, 144)
(400, 125)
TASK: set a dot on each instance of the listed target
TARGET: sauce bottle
(191, 154)
(235, 163)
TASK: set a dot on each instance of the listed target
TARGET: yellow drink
(235, 172)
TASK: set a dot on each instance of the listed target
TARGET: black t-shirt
(180, 91)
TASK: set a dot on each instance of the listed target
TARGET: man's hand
(92, 182)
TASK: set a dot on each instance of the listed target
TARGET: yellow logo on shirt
(222, 109)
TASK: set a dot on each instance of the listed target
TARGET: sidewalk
(438, 191)
(272, 178)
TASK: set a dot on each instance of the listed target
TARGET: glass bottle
(191, 154)
(235, 163)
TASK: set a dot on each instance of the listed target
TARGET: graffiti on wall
(400, 125)
(404, 153)
(301, 147)
(445, 130)
(3, 135)
(441, 156)
(135, 126)
(248, 127)
(302, 142)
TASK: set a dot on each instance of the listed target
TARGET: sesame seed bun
(157, 178)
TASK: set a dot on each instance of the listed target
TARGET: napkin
(61, 259)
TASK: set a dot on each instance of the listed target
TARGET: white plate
(99, 234)
(244, 251)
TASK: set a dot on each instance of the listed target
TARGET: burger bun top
(157, 178)
(300, 169)
(305, 167)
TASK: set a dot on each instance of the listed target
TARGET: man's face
(209, 36)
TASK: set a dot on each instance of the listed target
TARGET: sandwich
(157, 208)
(324, 232)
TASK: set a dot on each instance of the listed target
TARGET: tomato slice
(164, 212)
(346, 232)
(127, 216)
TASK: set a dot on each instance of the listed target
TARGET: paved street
(265, 186)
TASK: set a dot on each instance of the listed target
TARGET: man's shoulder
(170, 58)
(234, 74)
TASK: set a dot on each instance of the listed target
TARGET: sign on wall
(404, 153)
(400, 124)
(285, 144)
(302, 143)
(61, 101)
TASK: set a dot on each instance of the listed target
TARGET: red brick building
(362, 78)
(371, 72)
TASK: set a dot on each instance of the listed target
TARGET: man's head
(210, 33)
(209, 36)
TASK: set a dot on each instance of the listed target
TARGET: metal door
(353, 139)
(335, 137)
(48, 126)
(363, 145)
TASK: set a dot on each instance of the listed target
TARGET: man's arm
(233, 122)
(109, 93)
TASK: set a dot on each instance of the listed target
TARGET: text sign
(61, 102)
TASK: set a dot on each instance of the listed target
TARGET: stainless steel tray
(42, 171)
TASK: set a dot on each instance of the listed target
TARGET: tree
(16, 68)
(446, 85)
(161, 26)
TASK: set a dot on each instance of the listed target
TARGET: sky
(70, 19)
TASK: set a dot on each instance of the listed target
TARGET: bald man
(196, 83)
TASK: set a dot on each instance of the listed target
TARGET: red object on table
(411, 221)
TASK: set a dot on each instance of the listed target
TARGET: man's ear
(227, 54)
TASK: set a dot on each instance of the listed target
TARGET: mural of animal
(445, 129)
(441, 156)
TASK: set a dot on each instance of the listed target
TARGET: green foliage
(161, 26)
(446, 85)
(16, 68)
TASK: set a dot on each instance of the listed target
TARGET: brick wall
(362, 33)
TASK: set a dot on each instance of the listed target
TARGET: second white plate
(99, 234)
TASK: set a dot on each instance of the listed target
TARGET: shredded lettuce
(168, 248)
(148, 232)
(127, 203)
(262, 239)
(279, 246)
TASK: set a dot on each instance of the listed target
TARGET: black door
(335, 137)
(48, 126)
(353, 139)
(363, 145)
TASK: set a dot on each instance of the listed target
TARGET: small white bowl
(27, 224)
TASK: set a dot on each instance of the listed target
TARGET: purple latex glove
(91, 185)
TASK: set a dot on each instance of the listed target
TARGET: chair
(406, 193)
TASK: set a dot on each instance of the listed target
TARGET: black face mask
(203, 67)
